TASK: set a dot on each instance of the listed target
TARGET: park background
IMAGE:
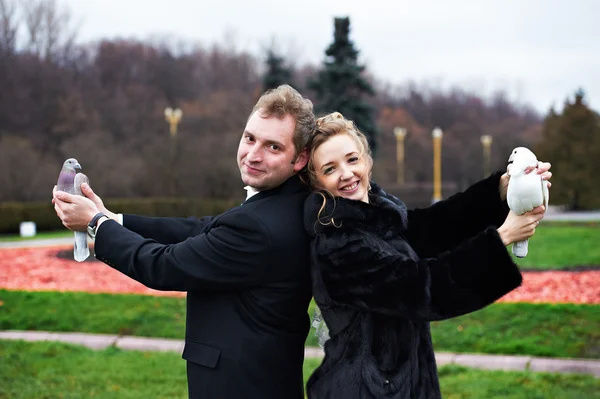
(74, 85)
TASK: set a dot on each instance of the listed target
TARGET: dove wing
(546, 193)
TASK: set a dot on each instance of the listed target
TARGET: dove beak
(77, 166)
(511, 158)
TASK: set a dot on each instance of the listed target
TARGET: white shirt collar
(250, 191)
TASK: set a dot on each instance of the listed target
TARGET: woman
(382, 273)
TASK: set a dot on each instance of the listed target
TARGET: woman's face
(341, 169)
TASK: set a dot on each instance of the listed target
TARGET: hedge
(43, 214)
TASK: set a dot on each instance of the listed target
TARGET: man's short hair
(286, 100)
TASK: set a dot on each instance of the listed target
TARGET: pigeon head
(71, 165)
(520, 159)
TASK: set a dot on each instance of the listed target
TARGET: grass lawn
(557, 246)
(52, 370)
(533, 329)
(553, 330)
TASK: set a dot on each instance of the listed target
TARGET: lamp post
(486, 140)
(437, 164)
(173, 117)
(400, 134)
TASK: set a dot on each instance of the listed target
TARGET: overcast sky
(538, 51)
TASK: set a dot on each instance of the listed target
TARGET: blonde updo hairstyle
(331, 125)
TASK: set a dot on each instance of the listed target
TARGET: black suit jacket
(247, 277)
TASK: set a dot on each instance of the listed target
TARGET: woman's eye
(328, 171)
(353, 160)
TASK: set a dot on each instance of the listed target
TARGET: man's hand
(88, 192)
(74, 211)
(543, 168)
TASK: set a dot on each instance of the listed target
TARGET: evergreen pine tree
(277, 73)
(340, 85)
(571, 143)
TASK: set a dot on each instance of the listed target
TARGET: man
(246, 271)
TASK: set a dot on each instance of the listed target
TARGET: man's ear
(301, 160)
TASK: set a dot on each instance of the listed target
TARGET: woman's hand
(543, 168)
(520, 227)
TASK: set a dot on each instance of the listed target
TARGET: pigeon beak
(511, 158)
(77, 166)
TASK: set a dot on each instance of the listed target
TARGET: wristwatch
(93, 225)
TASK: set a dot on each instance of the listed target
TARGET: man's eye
(274, 147)
(249, 139)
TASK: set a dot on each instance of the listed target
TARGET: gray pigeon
(69, 181)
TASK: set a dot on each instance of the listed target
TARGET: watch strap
(95, 219)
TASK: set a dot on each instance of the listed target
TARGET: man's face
(266, 154)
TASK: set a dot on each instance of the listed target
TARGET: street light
(173, 116)
(486, 140)
(400, 134)
(437, 164)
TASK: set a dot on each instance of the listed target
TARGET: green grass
(530, 329)
(554, 330)
(39, 236)
(564, 330)
(463, 383)
(556, 246)
(139, 315)
(53, 370)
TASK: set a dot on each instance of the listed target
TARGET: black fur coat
(382, 273)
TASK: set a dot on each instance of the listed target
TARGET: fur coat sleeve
(447, 223)
(362, 260)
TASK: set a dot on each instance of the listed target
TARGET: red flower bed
(40, 269)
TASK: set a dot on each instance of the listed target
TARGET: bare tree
(9, 26)
(49, 35)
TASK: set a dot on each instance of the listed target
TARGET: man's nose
(255, 154)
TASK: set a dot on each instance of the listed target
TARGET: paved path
(490, 362)
(568, 216)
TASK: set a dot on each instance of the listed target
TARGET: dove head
(71, 165)
(520, 159)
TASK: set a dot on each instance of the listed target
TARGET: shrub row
(43, 214)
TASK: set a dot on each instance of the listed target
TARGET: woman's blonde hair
(327, 127)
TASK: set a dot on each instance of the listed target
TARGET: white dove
(70, 181)
(525, 191)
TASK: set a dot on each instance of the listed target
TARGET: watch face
(91, 232)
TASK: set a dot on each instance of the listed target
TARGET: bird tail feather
(520, 248)
(81, 250)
